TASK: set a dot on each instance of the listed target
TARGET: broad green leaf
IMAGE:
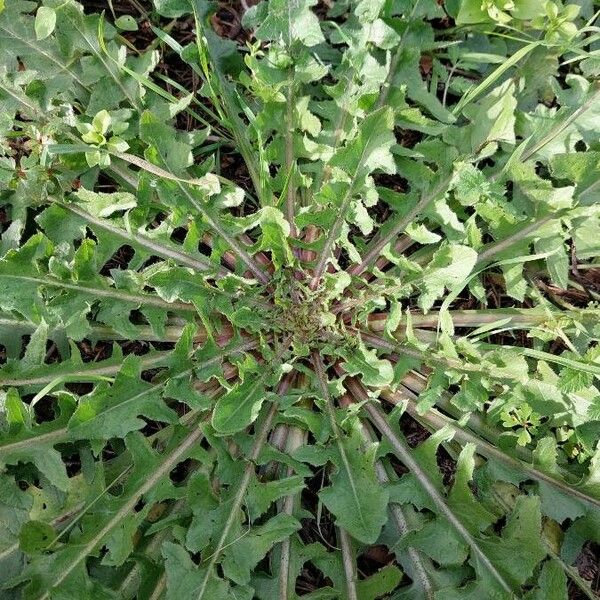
(450, 266)
(373, 370)
(354, 496)
(17, 446)
(239, 407)
(36, 536)
(493, 119)
(184, 578)
(520, 548)
(291, 22)
(370, 150)
(242, 556)
(552, 583)
(45, 21)
(262, 495)
(115, 410)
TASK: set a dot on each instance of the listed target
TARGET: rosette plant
(317, 318)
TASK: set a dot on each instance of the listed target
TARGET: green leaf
(126, 23)
(493, 119)
(520, 548)
(239, 407)
(382, 582)
(114, 411)
(164, 150)
(17, 445)
(262, 495)
(450, 266)
(184, 578)
(370, 149)
(354, 497)
(172, 8)
(45, 22)
(583, 529)
(292, 22)
(439, 541)
(471, 11)
(244, 554)
(552, 583)
(275, 231)
(36, 536)
(461, 499)
(374, 371)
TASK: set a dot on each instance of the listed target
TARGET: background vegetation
(299, 299)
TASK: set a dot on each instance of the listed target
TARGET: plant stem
(290, 198)
(519, 317)
(348, 562)
(296, 438)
